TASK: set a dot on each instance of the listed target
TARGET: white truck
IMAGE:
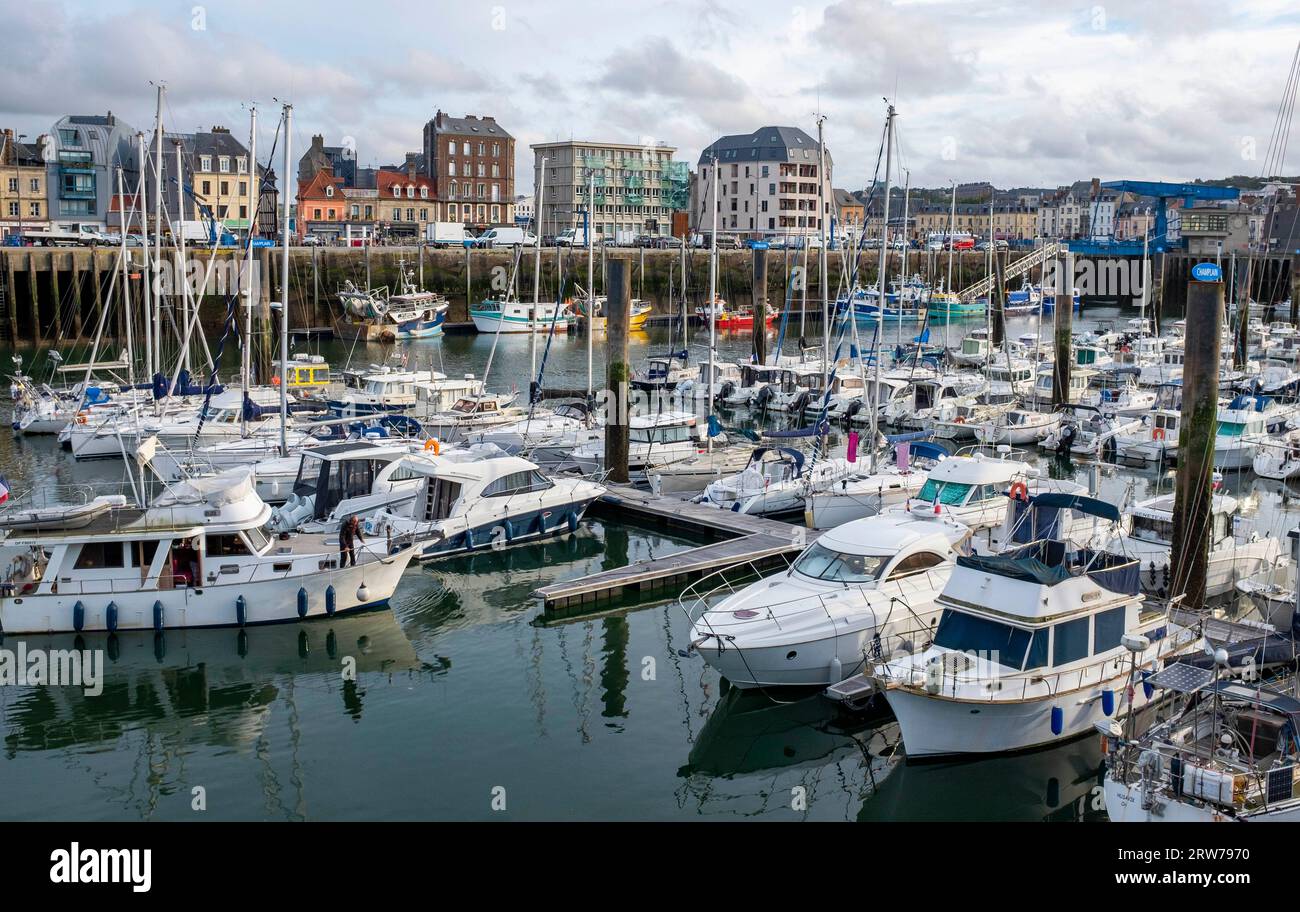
(446, 234)
(571, 237)
(68, 235)
(624, 237)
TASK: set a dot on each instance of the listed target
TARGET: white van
(571, 237)
(505, 236)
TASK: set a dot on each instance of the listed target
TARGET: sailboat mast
(126, 280)
(246, 362)
(537, 273)
(884, 254)
(157, 233)
(284, 281)
(822, 261)
(146, 268)
(712, 310)
(902, 269)
(179, 241)
(591, 275)
(947, 285)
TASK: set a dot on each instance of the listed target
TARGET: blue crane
(1163, 192)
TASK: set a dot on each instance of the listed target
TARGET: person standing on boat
(349, 532)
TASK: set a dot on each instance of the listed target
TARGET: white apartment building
(635, 188)
(770, 182)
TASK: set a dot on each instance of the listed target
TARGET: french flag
(4, 489)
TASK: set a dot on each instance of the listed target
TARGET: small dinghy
(61, 516)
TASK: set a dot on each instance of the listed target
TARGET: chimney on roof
(317, 143)
(111, 120)
(410, 166)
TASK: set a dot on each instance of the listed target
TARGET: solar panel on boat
(1281, 784)
(1181, 678)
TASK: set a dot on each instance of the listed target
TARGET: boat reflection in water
(1061, 783)
(209, 686)
(765, 751)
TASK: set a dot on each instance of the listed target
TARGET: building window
(452, 193)
(243, 188)
(331, 215)
(480, 148)
(464, 148)
(481, 170)
(225, 188)
(243, 212)
(451, 169)
(397, 192)
(482, 191)
(410, 191)
(424, 215)
(329, 190)
(424, 193)
(35, 185)
(13, 210)
(451, 147)
(224, 164)
(205, 162)
(241, 164)
(496, 150)
(316, 214)
(207, 188)
(13, 185)
(496, 213)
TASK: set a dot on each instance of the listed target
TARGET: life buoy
(432, 444)
(1019, 491)
(1157, 433)
(81, 417)
(959, 420)
(275, 379)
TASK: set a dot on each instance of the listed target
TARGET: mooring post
(99, 293)
(58, 297)
(1295, 290)
(997, 301)
(315, 284)
(76, 295)
(469, 300)
(617, 370)
(34, 296)
(368, 283)
(11, 298)
(1193, 487)
(1063, 319)
(760, 305)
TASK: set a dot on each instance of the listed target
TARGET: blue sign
(1207, 272)
(758, 245)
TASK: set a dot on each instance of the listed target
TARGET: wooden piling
(760, 305)
(1193, 486)
(618, 373)
(58, 298)
(1063, 319)
(998, 304)
(76, 296)
(11, 299)
(31, 289)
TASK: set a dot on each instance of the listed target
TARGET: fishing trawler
(376, 315)
(494, 315)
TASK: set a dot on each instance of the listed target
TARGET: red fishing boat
(726, 318)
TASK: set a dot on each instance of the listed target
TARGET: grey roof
(93, 120)
(470, 125)
(764, 144)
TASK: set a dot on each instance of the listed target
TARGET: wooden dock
(742, 540)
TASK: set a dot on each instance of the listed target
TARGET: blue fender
(158, 615)
(241, 611)
(302, 602)
(330, 598)
(78, 616)
(1058, 720)
(112, 616)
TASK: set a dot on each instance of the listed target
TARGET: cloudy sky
(1021, 93)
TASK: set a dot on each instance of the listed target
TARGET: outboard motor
(800, 403)
(854, 407)
(727, 389)
(1066, 440)
(763, 397)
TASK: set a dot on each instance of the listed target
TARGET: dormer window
(224, 162)
(410, 191)
(205, 162)
(397, 192)
(329, 189)
(241, 164)
(424, 193)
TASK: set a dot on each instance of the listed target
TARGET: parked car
(505, 236)
(311, 240)
(668, 242)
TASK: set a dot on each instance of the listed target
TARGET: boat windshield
(820, 562)
(949, 492)
(999, 643)
(1148, 528)
(1230, 429)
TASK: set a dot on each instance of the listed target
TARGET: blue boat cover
(1029, 569)
(1090, 505)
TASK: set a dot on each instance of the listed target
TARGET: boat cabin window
(142, 553)
(226, 545)
(1230, 429)
(1148, 528)
(1070, 641)
(1108, 629)
(99, 555)
(916, 563)
(526, 482)
(257, 537)
(820, 562)
(440, 495)
(1001, 643)
(675, 433)
(344, 478)
(948, 492)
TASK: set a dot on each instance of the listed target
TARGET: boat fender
(1108, 701)
(573, 521)
(1147, 687)
(735, 507)
(1058, 720)
(836, 670)
(78, 616)
(934, 676)
(469, 539)
(158, 615)
(241, 611)
(112, 616)
(302, 602)
(510, 530)
(330, 600)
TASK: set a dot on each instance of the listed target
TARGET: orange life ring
(275, 379)
(1157, 433)
(81, 417)
(432, 444)
(959, 420)
(1019, 491)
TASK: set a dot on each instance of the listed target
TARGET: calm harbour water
(463, 698)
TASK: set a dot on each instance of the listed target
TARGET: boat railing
(951, 675)
(48, 497)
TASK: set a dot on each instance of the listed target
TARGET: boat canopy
(1028, 568)
(1090, 505)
